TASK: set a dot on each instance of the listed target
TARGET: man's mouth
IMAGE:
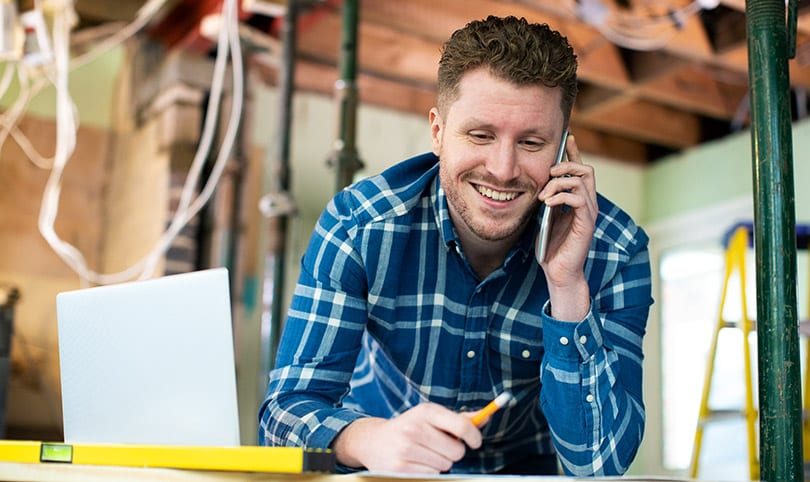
(496, 195)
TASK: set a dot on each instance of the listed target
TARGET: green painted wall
(620, 182)
(91, 86)
(717, 172)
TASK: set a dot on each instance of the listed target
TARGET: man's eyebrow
(476, 123)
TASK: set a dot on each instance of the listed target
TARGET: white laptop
(149, 362)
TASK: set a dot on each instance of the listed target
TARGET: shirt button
(583, 339)
(471, 354)
(563, 340)
(525, 353)
(589, 398)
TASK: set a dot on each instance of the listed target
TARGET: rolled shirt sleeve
(592, 376)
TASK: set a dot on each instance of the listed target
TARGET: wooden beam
(649, 66)
(694, 89)
(106, 11)
(594, 100)
(690, 41)
(426, 24)
(591, 141)
(381, 51)
(661, 78)
(737, 59)
(648, 122)
(320, 78)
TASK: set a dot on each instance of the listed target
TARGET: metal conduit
(775, 246)
(277, 162)
(345, 157)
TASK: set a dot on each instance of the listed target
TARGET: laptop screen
(149, 362)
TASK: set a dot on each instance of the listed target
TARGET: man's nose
(504, 164)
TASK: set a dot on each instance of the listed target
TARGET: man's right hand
(428, 438)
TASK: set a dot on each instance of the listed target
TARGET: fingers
(458, 426)
(447, 431)
(572, 183)
(572, 150)
(428, 438)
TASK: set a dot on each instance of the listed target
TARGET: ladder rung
(736, 324)
(736, 246)
(721, 414)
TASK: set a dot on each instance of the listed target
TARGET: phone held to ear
(541, 246)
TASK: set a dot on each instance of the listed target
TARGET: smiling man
(420, 298)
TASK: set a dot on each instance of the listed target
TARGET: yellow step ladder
(734, 263)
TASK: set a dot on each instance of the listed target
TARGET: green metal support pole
(345, 156)
(277, 162)
(780, 417)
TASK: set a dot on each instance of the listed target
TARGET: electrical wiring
(10, 117)
(29, 150)
(145, 14)
(65, 144)
(228, 42)
(228, 45)
(650, 25)
(10, 125)
(8, 120)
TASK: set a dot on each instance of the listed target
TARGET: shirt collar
(438, 200)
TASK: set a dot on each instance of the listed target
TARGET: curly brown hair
(512, 49)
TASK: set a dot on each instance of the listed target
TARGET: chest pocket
(516, 347)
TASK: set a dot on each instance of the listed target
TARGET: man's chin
(494, 234)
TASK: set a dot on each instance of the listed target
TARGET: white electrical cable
(142, 18)
(30, 151)
(12, 115)
(228, 41)
(635, 31)
(8, 120)
(65, 144)
(212, 112)
(187, 209)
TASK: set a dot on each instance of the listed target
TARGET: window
(691, 284)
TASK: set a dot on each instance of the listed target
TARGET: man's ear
(436, 129)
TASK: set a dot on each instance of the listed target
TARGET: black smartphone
(545, 220)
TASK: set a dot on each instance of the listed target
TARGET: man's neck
(485, 256)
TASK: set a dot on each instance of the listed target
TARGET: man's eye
(480, 136)
(531, 145)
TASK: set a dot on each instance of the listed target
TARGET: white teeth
(496, 195)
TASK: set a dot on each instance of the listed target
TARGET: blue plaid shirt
(388, 313)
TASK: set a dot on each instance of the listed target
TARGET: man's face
(496, 145)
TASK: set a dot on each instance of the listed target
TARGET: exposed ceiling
(634, 105)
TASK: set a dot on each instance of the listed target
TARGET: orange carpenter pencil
(500, 401)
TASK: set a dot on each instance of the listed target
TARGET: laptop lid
(149, 362)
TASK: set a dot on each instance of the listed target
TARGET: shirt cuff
(572, 341)
(323, 436)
